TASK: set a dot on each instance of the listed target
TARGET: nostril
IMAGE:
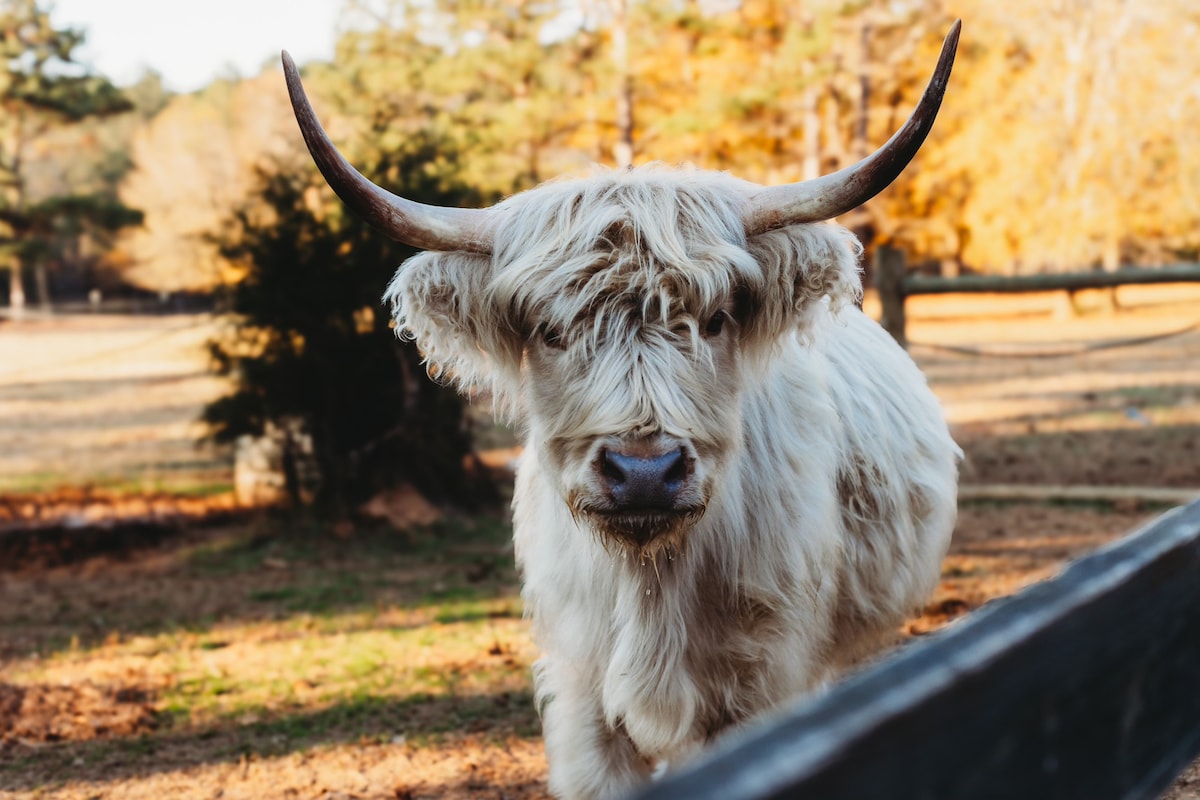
(610, 470)
(677, 470)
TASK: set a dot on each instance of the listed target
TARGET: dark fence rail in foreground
(895, 285)
(1086, 686)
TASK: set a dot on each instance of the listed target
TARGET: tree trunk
(41, 285)
(16, 289)
(623, 147)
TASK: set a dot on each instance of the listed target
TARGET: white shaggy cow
(734, 482)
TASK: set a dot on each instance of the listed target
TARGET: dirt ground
(258, 657)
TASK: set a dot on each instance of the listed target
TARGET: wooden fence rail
(895, 285)
(1085, 686)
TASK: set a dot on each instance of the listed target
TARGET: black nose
(644, 482)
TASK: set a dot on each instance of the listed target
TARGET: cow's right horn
(828, 196)
(424, 226)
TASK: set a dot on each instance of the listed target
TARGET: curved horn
(828, 196)
(417, 224)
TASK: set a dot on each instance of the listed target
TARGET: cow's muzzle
(648, 491)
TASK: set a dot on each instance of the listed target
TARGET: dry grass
(269, 644)
(109, 401)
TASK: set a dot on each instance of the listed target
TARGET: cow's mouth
(643, 529)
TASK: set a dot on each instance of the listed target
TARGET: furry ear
(443, 302)
(801, 266)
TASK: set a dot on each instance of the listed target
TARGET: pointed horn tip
(951, 40)
(941, 72)
(295, 88)
(880, 168)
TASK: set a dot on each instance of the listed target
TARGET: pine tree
(43, 87)
(313, 352)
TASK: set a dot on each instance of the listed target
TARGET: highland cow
(734, 483)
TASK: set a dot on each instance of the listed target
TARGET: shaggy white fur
(822, 488)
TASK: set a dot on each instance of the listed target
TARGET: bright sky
(190, 43)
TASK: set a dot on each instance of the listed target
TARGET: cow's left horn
(424, 226)
(828, 196)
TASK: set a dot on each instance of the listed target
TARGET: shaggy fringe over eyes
(616, 250)
(655, 245)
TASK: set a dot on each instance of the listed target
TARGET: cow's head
(613, 315)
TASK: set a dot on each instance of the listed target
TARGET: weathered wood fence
(895, 285)
(1085, 686)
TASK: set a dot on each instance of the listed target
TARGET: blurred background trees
(194, 163)
(1067, 146)
(1065, 143)
(43, 89)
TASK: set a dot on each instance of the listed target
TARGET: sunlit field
(251, 654)
(109, 402)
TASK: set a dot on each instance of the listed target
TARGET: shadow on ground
(154, 744)
(265, 570)
(1132, 454)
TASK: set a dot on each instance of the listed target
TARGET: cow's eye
(552, 337)
(715, 324)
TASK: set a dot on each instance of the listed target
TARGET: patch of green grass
(203, 687)
(240, 551)
(314, 598)
(420, 718)
(959, 572)
(36, 482)
(227, 673)
(362, 665)
(120, 485)
(476, 610)
(279, 595)
(456, 539)
(450, 594)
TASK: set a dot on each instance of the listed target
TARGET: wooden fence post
(889, 269)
